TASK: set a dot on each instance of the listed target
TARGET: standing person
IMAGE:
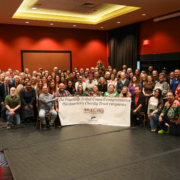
(118, 77)
(86, 76)
(137, 106)
(129, 70)
(96, 77)
(112, 81)
(52, 88)
(49, 79)
(150, 70)
(57, 81)
(133, 83)
(90, 83)
(95, 92)
(39, 88)
(80, 91)
(16, 81)
(130, 76)
(155, 107)
(60, 93)
(63, 80)
(80, 81)
(44, 81)
(1, 78)
(175, 81)
(70, 88)
(28, 99)
(46, 105)
(171, 115)
(122, 82)
(143, 79)
(12, 104)
(163, 86)
(155, 76)
(111, 91)
(4, 91)
(102, 85)
(125, 92)
(148, 88)
(137, 74)
(33, 82)
(107, 76)
(56, 71)
(171, 77)
(71, 79)
(114, 72)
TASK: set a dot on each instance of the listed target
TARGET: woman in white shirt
(112, 81)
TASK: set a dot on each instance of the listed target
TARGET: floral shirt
(177, 92)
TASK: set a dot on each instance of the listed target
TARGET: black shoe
(51, 126)
(44, 127)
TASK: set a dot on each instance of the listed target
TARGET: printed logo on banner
(94, 111)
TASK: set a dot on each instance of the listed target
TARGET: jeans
(42, 113)
(15, 118)
(154, 120)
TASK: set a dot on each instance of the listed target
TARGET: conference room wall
(86, 46)
(164, 36)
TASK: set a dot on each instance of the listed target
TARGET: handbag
(29, 113)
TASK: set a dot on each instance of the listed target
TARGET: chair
(144, 117)
(47, 115)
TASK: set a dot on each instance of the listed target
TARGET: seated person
(155, 107)
(80, 81)
(80, 91)
(12, 104)
(46, 105)
(95, 92)
(125, 92)
(171, 115)
(111, 91)
(137, 106)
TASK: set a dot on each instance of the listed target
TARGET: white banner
(94, 110)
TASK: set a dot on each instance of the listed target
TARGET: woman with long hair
(70, 87)
(155, 107)
(52, 88)
(137, 74)
(33, 82)
(125, 92)
(57, 81)
(133, 83)
(143, 79)
(63, 80)
(102, 85)
(39, 88)
(112, 81)
(44, 80)
(80, 91)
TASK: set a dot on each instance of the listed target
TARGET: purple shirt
(132, 88)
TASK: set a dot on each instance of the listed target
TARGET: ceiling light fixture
(118, 22)
(51, 24)
(74, 25)
(102, 27)
(27, 22)
(34, 7)
(143, 14)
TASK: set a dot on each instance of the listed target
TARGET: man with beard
(12, 104)
(155, 76)
(171, 115)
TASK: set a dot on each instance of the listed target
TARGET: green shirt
(173, 112)
(114, 94)
(13, 102)
(77, 94)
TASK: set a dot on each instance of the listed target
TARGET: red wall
(87, 46)
(164, 36)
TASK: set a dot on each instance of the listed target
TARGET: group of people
(24, 96)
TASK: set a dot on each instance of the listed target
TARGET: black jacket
(2, 91)
(120, 85)
(140, 101)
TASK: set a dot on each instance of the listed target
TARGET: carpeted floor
(90, 152)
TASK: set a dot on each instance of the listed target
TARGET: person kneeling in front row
(46, 105)
(170, 115)
(12, 104)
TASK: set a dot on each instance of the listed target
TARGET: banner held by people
(94, 110)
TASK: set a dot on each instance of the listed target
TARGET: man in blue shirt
(175, 81)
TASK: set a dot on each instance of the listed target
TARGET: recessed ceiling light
(34, 7)
(102, 27)
(143, 14)
(74, 25)
(118, 22)
(27, 22)
(51, 24)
